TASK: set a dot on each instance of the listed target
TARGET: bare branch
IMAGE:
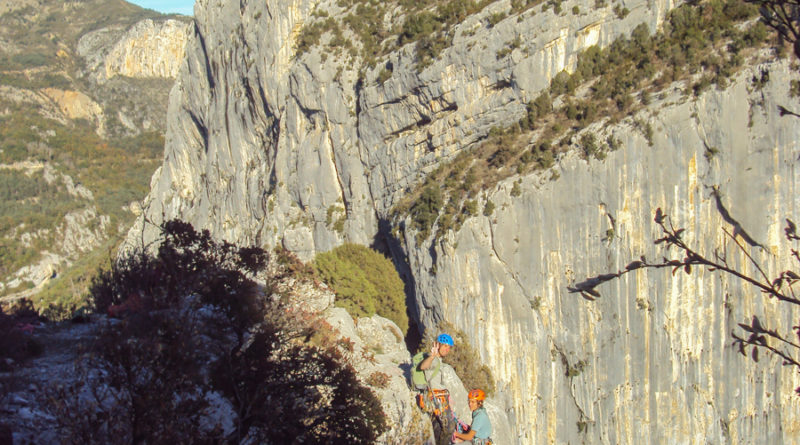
(781, 287)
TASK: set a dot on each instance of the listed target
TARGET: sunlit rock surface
(262, 147)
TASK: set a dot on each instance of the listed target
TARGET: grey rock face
(130, 69)
(269, 149)
(261, 145)
(652, 360)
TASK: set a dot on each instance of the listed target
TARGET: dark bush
(16, 343)
(417, 26)
(192, 323)
(426, 209)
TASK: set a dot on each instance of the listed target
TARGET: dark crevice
(357, 90)
(392, 102)
(451, 107)
(386, 243)
(202, 40)
(201, 128)
(502, 84)
(420, 123)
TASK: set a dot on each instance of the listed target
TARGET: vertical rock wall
(148, 49)
(268, 148)
(652, 360)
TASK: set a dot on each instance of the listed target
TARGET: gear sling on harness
(436, 401)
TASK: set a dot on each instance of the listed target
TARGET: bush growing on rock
(194, 340)
(366, 282)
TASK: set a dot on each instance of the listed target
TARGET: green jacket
(419, 378)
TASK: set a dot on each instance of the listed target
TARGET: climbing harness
(435, 401)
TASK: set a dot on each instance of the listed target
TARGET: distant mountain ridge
(83, 98)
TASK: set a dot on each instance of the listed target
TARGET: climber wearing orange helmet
(481, 428)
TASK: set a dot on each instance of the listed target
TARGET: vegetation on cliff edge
(701, 44)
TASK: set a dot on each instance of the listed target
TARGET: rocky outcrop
(45, 105)
(149, 49)
(263, 146)
(79, 233)
(76, 105)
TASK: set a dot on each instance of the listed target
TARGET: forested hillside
(78, 143)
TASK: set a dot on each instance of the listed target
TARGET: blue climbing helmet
(445, 339)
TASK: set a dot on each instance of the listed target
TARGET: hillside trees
(700, 45)
(194, 340)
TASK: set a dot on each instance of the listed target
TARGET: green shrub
(471, 208)
(30, 60)
(311, 34)
(621, 12)
(417, 26)
(365, 282)
(516, 190)
(495, 18)
(426, 209)
(794, 88)
(560, 84)
(589, 145)
(385, 74)
(488, 208)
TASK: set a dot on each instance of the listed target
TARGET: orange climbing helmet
(477, 394)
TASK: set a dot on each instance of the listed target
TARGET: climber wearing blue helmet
(428, 364)
(434, 398)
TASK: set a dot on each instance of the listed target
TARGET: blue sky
(184, 7)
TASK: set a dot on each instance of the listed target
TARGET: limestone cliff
(269, 147)
(652, 360)
(147, 49)
(291, 138)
